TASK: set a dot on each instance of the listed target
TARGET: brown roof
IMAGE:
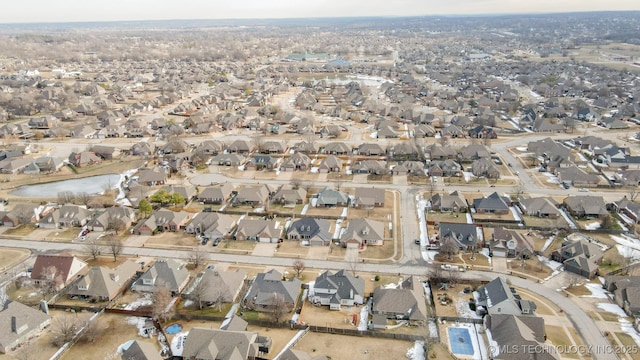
(62, 262)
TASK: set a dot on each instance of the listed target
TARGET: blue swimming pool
(460, 340)
(173, 329)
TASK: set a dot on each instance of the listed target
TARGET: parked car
(216, 242)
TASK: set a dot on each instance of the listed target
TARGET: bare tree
(94, 248)
(53, 281)
(199, 291)
(448, 248)
(295, 182)
(197, 257)
(84, 198)
(92, 331)
(161, 308)
(298, 267)
(633, 193)
(435, 274)
(115, 223)
(453, 276)
(278, 307)
(115, 246)
(64, 328)
(66, 197)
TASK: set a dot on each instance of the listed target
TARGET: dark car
(417, 241)
(216, 242)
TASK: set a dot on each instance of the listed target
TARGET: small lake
(89, 185)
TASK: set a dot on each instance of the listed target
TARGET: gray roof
(312, 228)
(463, 234)
(266, 284)
(225, 284)
(18, 321)
(141, 350)
(168, 273)
(328, 196)
(347, 285)
(407, 300)
(215, 344)
(493, 202)
(104, 282)
(510, 330)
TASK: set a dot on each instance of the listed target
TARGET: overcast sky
(108, 10)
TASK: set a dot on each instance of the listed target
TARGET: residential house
(104, 284)
(466, 236)
(371, 149)
(252, 195)
(272, 147)
(423, 131)
(216, 344)
(452, 131)
(474, 152)
(258, 230)
(14, 165)
(228, 159)
(140, 350)
(113, 218)
(161, 221)
(492, 204)
(212, 225)
(163, 273)
(482, 132)
(21, 214)
(517, 332)
(261, 162)
(577, 177)
(372, 167)
(297, 161)
(336, 148)
(210, 147)
(406, 302)
(331, 198)
(310, 231)
(240, 147)
(449, 202)
(66, 216)
(143, 148)
(19, 323)
(153, 177)
(404, 151)
(267, 288)
(44, 122)
(626, 292)
(579, 256)
(586, 206)
(217, 286)
(289, 196)
(628, 208)
(363, 232)
(187, 191)
(498, 298)
(368, 198)
(84, 158)
(293, 354)
(338, 289)
(307, 147)
(485, 168)
(44, 165)
(329, 164)
(57, 271)
(439, 152)
(510, 243)
(444, 168)
(106, 152)
(545, 207)
(216, 194)
(413, 168)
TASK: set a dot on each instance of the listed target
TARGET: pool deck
(477, 341)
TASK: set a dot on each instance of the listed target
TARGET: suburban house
(162, 220)
(497, 297)
(474, 152)
(492, 204)
(509, 331)
(65, 216)
(289, 196)
(330, 164)
(331, 198)
(293, 354)
(337, 148)
(104, 284)
(216, 194)
(163, 273)
(626, 292)
(240, 147)
(338, 289)
(115, 217)
(629, 209)
(363, 232)
(140, 350)
(466, 236)
(413, 168)
(297, 161)
(228, 159)
(510, 243)
(575, 176)
(212, 225)
(545, 207)
(446, 167)
(19, 323)
(217, 344)
(406, 302)
(153, 177)
(372, 167)
(261, 162)
(368, 198)
(580, 256)
(484, 167)
(268, 287)
(371, 149)
(217, 286)
(188, 192)
(586, 206)
(454, 202)
(260, 230)
(310, 231)
(57, 271)
(84, 158)
(252, 195)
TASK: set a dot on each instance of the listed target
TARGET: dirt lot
(341, 347)
(169, 239)
(446, 300)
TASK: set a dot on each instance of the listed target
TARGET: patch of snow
(314, 170)
(592, 226)
(485, 252)
(463, 310)
(626, 241)
(467, 176)
(374, 135)
(547, 243)
(612, 308)
(597, 292)
(364, 318)
(433, 329)
(344, 213)
(628, 252)
(469, 218)
(139, 322)
(522, 148)
(140, 302)
(628, 329)
(416, 352)
(187, 303)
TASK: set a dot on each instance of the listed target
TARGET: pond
(89, 185)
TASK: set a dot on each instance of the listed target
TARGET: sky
(26, 11)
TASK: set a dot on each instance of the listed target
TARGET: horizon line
(467, 15)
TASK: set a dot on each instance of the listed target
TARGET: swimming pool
(460, 340)
(173, 329)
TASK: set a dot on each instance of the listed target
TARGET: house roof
(221, 284)
(312, 228)
(328, 196)
(541, 205)
(589, 205)
(141, 350)
(369, 196)
(266, 284)
(215, 344)
(511, 330)
(167, 273)
(257, 227)
(463, 234)
(105, 282)
(493, 202)
(407, 299)
(345, 284)
(26, 320)
(498, 291)
(67, 266)
(364, 229)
